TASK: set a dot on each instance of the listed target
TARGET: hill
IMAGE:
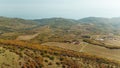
(10, 28)
(111, 23)
(59, 43)
(61, 29)
(37, 56)
(9, 24)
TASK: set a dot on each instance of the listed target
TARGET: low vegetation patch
(64, 57)
(99, 43)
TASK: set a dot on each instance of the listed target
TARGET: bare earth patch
(64, 45)
(26, 37)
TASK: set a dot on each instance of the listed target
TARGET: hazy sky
(76, 9)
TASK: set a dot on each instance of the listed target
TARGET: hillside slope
(15, 24)
(28, 55)
(68, 43)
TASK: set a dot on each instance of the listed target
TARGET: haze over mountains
(95, 20)
(114, 22)
(93, 24)
(102, 24)
(97, 24)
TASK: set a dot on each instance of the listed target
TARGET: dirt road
(113, 54)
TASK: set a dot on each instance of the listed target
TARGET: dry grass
(85, 58)
(95, 42)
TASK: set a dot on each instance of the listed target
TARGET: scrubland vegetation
(21, 39)
(99, 43)
(39, 56)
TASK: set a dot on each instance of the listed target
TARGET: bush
(45, 51)
(41, 65)
(57, 63)
(61, 59)
(51, 58)
(42, 54)
(50, 63)
(46, 60)
(55, 53)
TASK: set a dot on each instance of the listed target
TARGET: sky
(75, 9)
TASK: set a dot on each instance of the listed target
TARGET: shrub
(57, 63)
(42, 54)
(51, 58)
(50, 63)
(55, 53)
(41, 66)
(63, 66)
(61, 59)
(45, 51)
(46, 60)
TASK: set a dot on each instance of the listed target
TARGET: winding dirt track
(113, 54)
(82, 48)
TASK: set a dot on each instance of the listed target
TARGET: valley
(91, 42)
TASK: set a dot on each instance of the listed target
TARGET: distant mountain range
(88, 24)
(92, 23)
(13, 24)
